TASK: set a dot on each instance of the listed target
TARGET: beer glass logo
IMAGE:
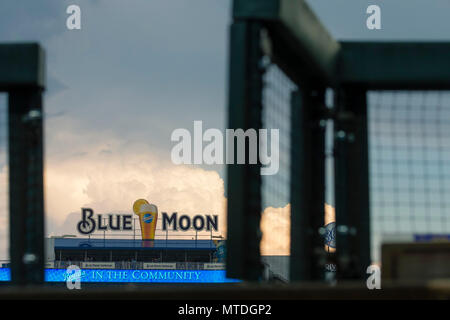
(148, 216)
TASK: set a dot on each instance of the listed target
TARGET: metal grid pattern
(4, 194)
(409, 159)
(275, 189)
(329, 218)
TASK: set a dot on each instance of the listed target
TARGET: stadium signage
(132, 276)
(184, 222)
(89, 223)
(214, 266)
(159, 265)
(98, 265)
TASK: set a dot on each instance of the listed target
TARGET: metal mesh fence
(329, 219)
(4, 194)
(329, 156)
(275, 189)
(409, 159)
(405, 152)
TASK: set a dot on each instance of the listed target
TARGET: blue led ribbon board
(134, 276)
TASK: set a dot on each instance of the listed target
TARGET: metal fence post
(244, 180)
(307, 185)
(352, 184)
(26, 186)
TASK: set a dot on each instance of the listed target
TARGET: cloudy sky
(137, 71)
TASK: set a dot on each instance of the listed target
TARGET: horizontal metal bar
(396, 65)
(22, 65)
(314, 41)
(256, 9)
(299, 39)
(425, 289)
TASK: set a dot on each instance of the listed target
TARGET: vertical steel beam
(244, 180)
(307, 185)
(26, 200)
(352, 184)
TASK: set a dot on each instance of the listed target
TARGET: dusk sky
(136, 71)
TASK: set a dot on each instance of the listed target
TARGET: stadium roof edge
(130, 244)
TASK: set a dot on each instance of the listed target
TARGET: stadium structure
(126, 248)
(121, 261)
